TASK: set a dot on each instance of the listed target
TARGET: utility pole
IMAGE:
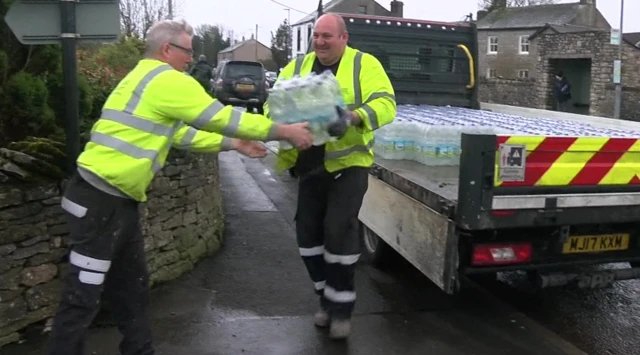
(289, 49)
(170, 9)
(69, 40)
(618, 99)
(256, 42)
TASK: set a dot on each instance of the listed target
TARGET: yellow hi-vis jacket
(366, 90)
(152, 109)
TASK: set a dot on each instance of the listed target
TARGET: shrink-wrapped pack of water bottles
(312, 98)
(431, 134)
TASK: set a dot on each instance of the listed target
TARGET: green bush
(24, 109)
(4, 67)
(57, 98)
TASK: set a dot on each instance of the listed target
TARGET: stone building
(302, 30)
(505, 50)
(586, 56)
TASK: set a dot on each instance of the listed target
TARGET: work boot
(321, 319)
(340, 329)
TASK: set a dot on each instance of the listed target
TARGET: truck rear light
(219, 83)
(501, 254)
(503, 213)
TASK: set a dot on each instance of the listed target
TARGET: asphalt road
(254, 296)
(600, 322)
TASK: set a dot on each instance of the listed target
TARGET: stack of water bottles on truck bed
(312, 99)
(431, 134)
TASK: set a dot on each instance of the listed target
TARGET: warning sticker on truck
(512, 162)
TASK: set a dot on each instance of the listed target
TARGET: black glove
(339, 127)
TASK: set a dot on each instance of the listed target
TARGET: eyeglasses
(186, 50)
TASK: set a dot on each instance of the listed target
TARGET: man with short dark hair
(334, 177)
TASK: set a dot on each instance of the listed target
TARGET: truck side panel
(423, 236)
(573, 161)
(537, 181)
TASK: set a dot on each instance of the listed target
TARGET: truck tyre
(376, 250)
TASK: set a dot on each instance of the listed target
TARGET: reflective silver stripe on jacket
(230, 130)
(186, 141)
(126, 117)
(343, 153)
(126, 148)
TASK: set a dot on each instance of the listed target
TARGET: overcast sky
(243, 15)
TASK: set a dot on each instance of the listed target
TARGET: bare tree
(137, 16)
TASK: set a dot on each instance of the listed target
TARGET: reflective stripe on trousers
(358, 103)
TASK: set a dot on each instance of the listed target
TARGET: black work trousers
(327, 233)
(106, 254)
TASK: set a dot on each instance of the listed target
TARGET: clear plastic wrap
(312, 98)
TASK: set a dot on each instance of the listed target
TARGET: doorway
(578, 73)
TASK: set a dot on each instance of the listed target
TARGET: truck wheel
(377, 251)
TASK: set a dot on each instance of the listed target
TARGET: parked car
(241, 83)
(271, 77)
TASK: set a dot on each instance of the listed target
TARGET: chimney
(481, 14)
(397, 8)
(588, 2)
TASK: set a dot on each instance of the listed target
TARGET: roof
(633, 38)
(238, 45)
(530, 16)
(566, 29)
(560, 29)
(312, 16)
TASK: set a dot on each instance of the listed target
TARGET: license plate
(596, 243)
(244, 87)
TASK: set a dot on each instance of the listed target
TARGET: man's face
(179, 53)
(329, 41)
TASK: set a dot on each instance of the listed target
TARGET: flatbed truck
(453, 222)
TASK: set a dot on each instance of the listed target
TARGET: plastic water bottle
(425, 145)
(383, 144)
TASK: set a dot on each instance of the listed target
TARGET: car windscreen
(239, 70)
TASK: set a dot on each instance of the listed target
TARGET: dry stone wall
(182, 222)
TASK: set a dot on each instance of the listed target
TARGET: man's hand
(252, 149)
(340, 126)
(356, 120)
(297, 134)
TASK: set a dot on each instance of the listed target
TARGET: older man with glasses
(155, 107)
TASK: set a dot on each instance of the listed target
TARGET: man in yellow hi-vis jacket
(155, 107)
(333, 177)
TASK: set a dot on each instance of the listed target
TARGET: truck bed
(434, 186)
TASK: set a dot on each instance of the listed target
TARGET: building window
(524, 44)
(523, 74)
(299, 44)
(362, 9)
(309, 32)
(492, 47)
(492, 73)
